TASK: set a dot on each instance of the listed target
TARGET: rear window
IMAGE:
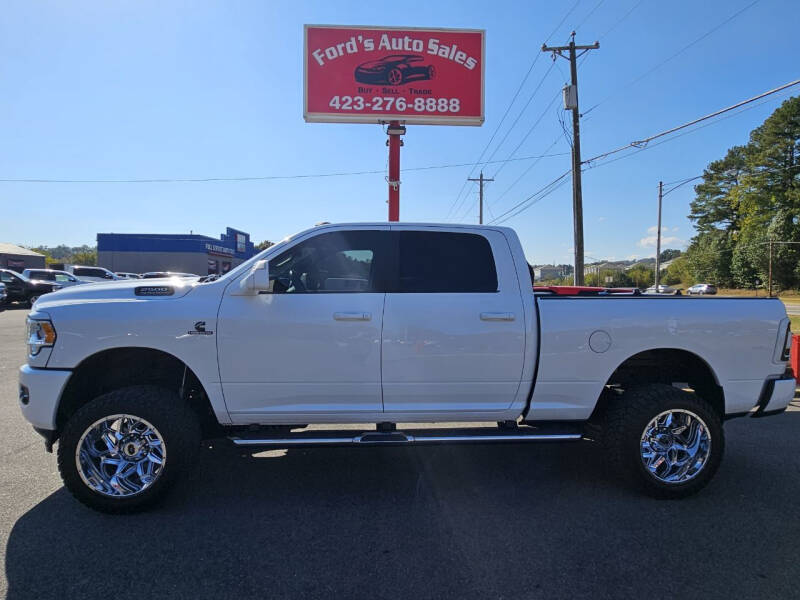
(42, 275)
(436, 262)
(87, 272)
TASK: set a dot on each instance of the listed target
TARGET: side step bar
(399, 438)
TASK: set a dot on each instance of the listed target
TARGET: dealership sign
(376, 74)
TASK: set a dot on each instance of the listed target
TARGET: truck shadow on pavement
(458, 521)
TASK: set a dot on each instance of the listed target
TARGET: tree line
(746, 200)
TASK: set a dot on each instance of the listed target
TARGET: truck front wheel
(122, 451)
(668, 441)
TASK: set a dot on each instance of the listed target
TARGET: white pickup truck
(383, 324)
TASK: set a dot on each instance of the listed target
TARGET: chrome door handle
(352, 316)
(497, 316)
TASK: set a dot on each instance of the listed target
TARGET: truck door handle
(497, 316)
(352, 316)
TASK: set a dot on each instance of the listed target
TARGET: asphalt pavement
(528, 521)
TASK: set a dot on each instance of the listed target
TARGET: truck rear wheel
(667, 441)
(122, 451)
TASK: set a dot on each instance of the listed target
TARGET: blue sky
(146, 89)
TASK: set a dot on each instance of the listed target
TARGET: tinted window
(341, 261)
(42, 275)
(87, 272)
(430, 261)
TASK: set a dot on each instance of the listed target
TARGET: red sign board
(375, 74)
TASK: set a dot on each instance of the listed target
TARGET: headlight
(41, 334)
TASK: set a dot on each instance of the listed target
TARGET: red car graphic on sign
(394, 69)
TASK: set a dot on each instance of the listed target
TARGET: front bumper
(776, 396)
(39, 393)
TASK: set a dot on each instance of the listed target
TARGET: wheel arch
(115, 368)
(669, 366)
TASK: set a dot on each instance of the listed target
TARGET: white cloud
(632, 257)
(601, 219)
(666, 240)
(651, 239)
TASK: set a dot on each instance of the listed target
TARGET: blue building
(184, 253)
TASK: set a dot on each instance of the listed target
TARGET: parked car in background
(21, 289)
(60, 277)
(90, 274)
(701, 289)
(163, 274)
(2, 293)
(128, 275)
(663, 290)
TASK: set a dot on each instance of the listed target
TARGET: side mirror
(257, 280)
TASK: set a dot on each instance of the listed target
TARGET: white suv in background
(61, 277)
(90, 274)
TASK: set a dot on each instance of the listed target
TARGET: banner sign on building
(375, 74)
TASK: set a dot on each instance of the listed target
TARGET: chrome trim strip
(409, 439)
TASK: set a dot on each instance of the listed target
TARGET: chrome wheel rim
(120, 455)
(395, 77)
(675, 446)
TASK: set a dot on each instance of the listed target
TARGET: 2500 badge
(398, 104)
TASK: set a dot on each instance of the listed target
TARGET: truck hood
(135, 290)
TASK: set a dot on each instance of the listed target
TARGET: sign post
(395, 130)
(394, 75)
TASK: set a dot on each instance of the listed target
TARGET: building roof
(14, 249)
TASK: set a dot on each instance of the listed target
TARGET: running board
(399, 438)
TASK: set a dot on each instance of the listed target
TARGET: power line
(671, 57)
(543, 192)
(642, 143)
(591, 12)
(621, 19)
(536, 193)
(267, 177)
(460, 201)
(527, 134)
(505, 114)
(525, 172)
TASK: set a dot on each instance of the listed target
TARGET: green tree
(264, 245)
(678, 272)
(669, 254)
(750, 196)
(709, 258)
(85, 257)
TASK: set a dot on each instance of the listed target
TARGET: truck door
(454, 328)
(312, 345)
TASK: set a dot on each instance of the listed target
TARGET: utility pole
(480, 179)
(658, 235)
(571, 102)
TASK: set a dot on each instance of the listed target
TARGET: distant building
(546, 272)
(18, 258)
(597, 268)
(183, 253)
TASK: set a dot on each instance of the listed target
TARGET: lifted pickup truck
(383, 324)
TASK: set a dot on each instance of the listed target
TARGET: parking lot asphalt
(527, 521)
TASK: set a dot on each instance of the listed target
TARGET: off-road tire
(177, 423)
(627, 417)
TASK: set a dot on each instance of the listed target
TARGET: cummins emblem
(200, 329)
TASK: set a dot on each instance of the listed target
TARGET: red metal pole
(394, 171)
